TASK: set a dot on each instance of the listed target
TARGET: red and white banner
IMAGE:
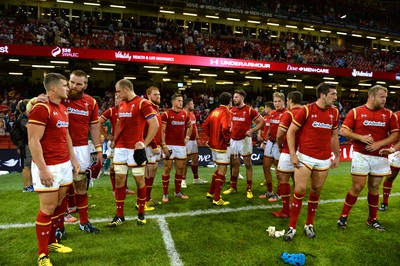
(174, 59)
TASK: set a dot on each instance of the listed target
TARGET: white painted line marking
(169, 243)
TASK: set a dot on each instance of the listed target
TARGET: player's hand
(335, 162)
(386, 152)
(295, 160)
(166, 151)
(248, 133)
(367, 139)
(76, 167)
(139, 145)
(112, 144)
(46, 177)
(372, 147)
(42, 98)
(100, 157)
(109, 137)
(187, 139)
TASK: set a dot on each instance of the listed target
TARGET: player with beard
(176, 129)
(241, 142)
(153, 151)
(192, 146)
(83, 120)
(318, 123)
(371, 127)
(271, 149)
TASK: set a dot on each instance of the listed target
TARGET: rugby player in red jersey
(318, 125)
(394, 159)
(133, 114)
(176, 130)
(262, 135)
(371, 127)
(271, 150)
(192, 149)
(241, 142)
(285, 166)
(218, 127)
(52, 155)
(153, 151)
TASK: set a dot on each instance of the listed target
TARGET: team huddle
(298, 139)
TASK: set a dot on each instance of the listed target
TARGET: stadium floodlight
(341, 33)
(13, 60)
(394, 86)
(252, 77)
(214, 17)
(207, 75)
(91, 4)
(364, 84)
(167, 11)
(195, 69)
(356, 35)
(129, 77)
(107, 64)
(392, 92)
(270, 74)
(396, 41)
(59, 62)
(117, 6)
(325, 31)
(309, 87)
(43, 66)
(190, 14)
(294, 80)
(332, 82)
(153, 67)
(328, 78)
(15, 73)
(354, 89)
(371, 37)
(229, 71)
(165, 80)
(65, 1)
(102, 69)
(343, 17)
(157, 72)
(310, 29)
(291, 26)
(254, 21)
(273, 24)
(385, 39)
(283, 85)
(197, 81)
(381, 82)
(233, 19)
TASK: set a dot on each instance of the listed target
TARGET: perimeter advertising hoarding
(174, 59)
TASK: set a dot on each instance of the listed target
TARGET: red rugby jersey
(192, 118)
(156, 141)
(82, 113)
(274, 121)
(54, 140)
(133, 117)
(316, 127)
(218, 127)
(377, 123)
(266, 127)
(112, 115)
(242, 119)
(286, 120)
(176, 123)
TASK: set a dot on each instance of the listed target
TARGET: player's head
(177, 101)
(279, 100)
(327, 93)
(188, 104)
(377, 96)
(294, 97)
(238, 97)
(117, 100)
(269, 106)
(77, 84)
(153, 94)
(56, 84)
(124, 88)
(225, 98)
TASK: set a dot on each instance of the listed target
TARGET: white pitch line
(169, 243)
(193, 213)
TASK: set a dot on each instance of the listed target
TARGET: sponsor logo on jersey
(374, 123)
(62, 123)
(123, 114)
(177, 123)
(321, 125)
(274, 121)
(239, 119)
(77, 112)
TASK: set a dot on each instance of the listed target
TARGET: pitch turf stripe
(217, 210)
(169, 242)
